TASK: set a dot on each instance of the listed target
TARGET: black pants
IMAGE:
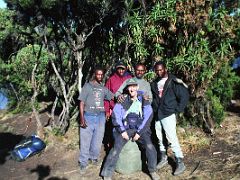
(119, 142)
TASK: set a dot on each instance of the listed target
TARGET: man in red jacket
(113, 84)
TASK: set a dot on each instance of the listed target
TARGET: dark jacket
(143, 123)
(174, 99)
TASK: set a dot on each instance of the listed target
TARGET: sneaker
(82, 168)
(107, 178)
(180, 167)
(154, 176)
(163, 161)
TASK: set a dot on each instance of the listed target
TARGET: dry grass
(192, 139)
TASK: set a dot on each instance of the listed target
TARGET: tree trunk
(64, 116)
(40, 131)
(199, 112)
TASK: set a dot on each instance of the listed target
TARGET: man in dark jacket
(131, 120)
(170, 96)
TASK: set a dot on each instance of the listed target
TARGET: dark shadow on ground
(43, 172)
(7, 144)
(235, 108)
(56, 178)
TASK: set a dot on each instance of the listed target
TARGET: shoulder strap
(141, 98)
(179, 81)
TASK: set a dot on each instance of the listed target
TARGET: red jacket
(113, 84)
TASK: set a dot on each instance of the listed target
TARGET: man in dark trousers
(113, 83)
(131, 120)
(170, 96)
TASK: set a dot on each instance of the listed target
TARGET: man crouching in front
(131, 120)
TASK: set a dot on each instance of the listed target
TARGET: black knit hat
(121, 64)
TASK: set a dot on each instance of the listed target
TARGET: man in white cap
(131, 120)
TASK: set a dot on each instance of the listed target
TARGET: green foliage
(6, 128)
(136, 25)
(27, 58)
(217, 109)
(149, 76)
(196, 41)
(48, 3)
(26, 3)
(22, 106)
(224, 85)
(6, 23)
(57, 131)
(19, 74)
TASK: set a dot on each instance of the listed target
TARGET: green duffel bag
(129, 159)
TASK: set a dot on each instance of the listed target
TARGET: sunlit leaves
(23, 63)
(26, 3)
(6, 23)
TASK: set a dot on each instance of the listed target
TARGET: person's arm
(148, 94)
(120, 89)
(117, 121)
(106, 102)
(155, 101)
(117, 118)
(82, 119)
(182, 94)
(108, 95)
(83, 98)
(147, 118)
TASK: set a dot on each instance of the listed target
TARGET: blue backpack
(27, 147)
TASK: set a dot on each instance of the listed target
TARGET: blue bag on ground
(27, 147)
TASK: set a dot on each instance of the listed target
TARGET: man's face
(160, 71)
(121, 71)
(132, 89)
(99, 76)
(140, 71)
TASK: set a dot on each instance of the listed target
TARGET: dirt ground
(219, 160)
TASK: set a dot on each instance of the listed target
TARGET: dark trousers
(119, 142)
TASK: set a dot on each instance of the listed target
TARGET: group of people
(130, 104)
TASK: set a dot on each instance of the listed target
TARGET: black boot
(180, 167)
(163, 160)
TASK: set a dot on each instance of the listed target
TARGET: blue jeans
(91, 137)
(119, 142)
(169, 126)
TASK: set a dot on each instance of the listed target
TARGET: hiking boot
(82, 168)
(163, 161)
(95, 162)
(107, 178)
(180, 167)
(154, 176)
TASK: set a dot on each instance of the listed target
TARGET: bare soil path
(220, 160)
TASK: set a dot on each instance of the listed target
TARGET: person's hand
(108, 116)
(121, 98)
(136, 137)
(83, 123)
(125, 135)
(146, 97)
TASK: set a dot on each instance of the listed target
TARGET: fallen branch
(69, 172)
(197, 166)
